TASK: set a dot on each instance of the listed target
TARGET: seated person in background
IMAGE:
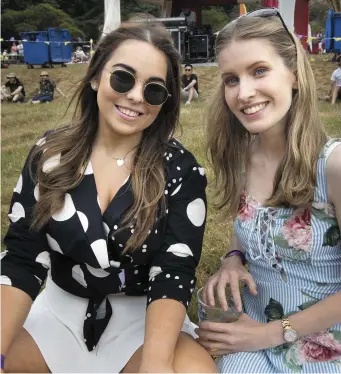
(335, 88)
(13, 90)
(20, 48)
(191, 17)
(46, 91)
(189, 82)
(14, 49)
(336, 57)
(80, 55)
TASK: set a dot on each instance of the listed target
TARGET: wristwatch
(290, 334)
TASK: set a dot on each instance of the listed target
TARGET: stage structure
(194, 40)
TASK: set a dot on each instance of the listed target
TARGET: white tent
(112, 15)
(287, 10)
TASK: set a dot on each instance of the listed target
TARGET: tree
(214, 16)
(81, 17)
(335, 4)
(37, 18)
(219, 16)
(318, 11)
(129, 7)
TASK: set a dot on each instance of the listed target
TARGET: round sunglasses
(122, 81)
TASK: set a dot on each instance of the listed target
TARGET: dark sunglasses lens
(122, 81)
(155, 94)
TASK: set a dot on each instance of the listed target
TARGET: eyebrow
(133, 71)
(249, 67)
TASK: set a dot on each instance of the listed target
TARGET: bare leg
(5, 93)
(24, 356)
(16, 97)
(335, 93)
(189, 357)
(190, 94)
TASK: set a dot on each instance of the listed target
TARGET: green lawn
(23, 124)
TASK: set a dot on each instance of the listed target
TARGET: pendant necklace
(120, 160)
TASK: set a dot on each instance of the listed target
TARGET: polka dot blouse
(83, 250)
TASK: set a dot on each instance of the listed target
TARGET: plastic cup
(216, 313)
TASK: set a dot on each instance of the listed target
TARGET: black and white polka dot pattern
(83, 248)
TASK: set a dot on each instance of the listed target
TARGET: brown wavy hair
(74, 142)
(229, 142)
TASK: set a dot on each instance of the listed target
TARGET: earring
(94, 87)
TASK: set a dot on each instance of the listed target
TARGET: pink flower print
(297, 230)
(326, 208)
(247, 207)
(319, 347)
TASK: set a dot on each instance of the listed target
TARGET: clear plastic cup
(216, 313)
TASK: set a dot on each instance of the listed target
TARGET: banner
(287, 10)
(242, 9)
(112, 16)
(48, 42)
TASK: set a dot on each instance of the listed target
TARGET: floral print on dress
(295, 235)
(297, 230)
(326, 212)
(247, 207)
(319, 347)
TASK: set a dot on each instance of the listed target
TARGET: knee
(190, 357)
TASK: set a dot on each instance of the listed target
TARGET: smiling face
(129, 113)
(258, 86)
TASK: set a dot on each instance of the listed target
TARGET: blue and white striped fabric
(294, 256)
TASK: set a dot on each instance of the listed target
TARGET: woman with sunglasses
(111, 211)
(278, 176)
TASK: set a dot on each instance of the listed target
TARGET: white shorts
(186, 94)
(55, 322)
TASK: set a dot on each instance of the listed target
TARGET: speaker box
(198, 45)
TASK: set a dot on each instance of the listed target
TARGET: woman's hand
(244, 335)
(231, 271)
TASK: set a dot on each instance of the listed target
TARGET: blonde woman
(111, 210)
(279, 177)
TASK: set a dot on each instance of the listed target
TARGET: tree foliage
(214, 16)
(83, 18)
(318, 11)
(37, 17)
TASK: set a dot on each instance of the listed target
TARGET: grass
(23, 124)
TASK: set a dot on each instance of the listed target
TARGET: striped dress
(294, 256)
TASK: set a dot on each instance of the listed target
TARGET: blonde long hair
(229, 142)
(74, 142)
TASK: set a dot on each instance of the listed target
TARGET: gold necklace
(120, 160)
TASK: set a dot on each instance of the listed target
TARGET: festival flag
(242, 9)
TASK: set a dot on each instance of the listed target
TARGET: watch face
(290, 335)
